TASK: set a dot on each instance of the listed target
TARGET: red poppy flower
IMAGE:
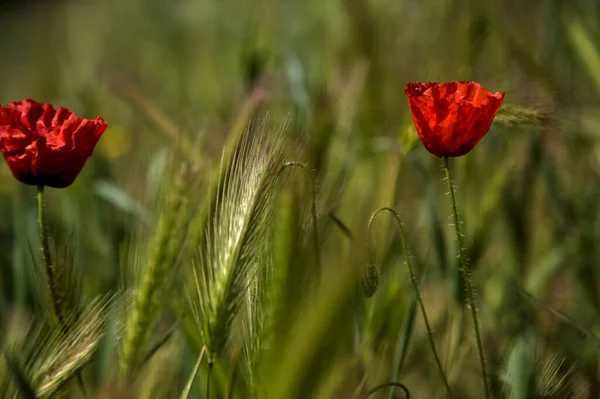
(451, 117)
(44, 146)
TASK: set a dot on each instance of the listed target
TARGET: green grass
(186, 233)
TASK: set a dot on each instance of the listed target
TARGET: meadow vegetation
(222, 237)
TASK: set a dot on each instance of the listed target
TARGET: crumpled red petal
(451, 117)
(46, 146)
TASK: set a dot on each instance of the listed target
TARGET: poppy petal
(46, 146)
(451, 118)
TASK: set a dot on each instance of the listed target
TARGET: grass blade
(188, 387)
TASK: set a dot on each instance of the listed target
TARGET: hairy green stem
(415, 284)
(467, 278)
(313, 211)
(48, 265)
(50, 268)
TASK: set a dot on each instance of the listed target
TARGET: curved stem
(389, 384)
(313, 211)
(415, 286)
(467, 278)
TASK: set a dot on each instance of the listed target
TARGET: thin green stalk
(341, 225)
(231, 387)
(188, 387)
(356, 322)
(467, 278)
(405, 335)
(160, 343)
(389, 384)
(49, 267)
(560, 315)
(313, 211)
(415, 286)
(211, 363)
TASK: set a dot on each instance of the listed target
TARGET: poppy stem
(415, 284)
(466, 277)
(48, 265)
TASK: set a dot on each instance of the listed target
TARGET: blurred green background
(176, 78)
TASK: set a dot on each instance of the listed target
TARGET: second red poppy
(451, 117)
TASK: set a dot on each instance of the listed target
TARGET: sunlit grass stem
(415, 284)
(467, 278)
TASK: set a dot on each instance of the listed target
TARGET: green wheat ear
(514, 116)
(533, 373)
(227, 260)
(554, 380)
(152, 270)
(260, 312)
(50, 357)
(65, 354)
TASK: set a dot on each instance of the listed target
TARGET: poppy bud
(370, 280)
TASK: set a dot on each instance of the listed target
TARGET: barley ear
(152, 270)
(62, 355)
(226, 262)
